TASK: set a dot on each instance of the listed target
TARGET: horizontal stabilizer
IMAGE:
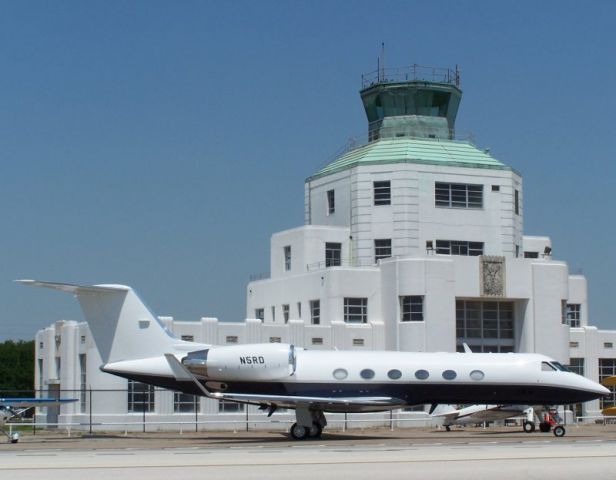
(71, 288)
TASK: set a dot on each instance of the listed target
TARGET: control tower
(413, 101)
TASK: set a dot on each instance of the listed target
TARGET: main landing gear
(309, 424)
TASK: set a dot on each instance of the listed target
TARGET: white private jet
(134, 344)
(473, 414)
(11, 408)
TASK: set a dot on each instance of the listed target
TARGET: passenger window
(367, 374)
(449, 375)
(340, 374)
(394, 374)
(546, 367)
(477, 375)
(422, 374)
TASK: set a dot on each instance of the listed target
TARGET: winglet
(467, 349)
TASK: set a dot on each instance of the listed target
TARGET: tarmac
(505, 453)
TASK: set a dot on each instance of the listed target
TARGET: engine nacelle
(267, 361)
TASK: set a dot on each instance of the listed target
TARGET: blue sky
(160, 144)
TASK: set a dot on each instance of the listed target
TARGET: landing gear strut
(13, 438)
(309, 424)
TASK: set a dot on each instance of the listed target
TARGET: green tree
(17, 368)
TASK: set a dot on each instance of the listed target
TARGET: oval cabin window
(394, 374)
(449, 375)
(477, 375)
(340, 374)
(367, 374)
(422, 374)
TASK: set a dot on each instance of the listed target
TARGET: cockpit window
(547, 367)
(561, 367)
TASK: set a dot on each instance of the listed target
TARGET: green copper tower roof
(413, 150)
(411, 113)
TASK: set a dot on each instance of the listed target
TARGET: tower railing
(410, 73)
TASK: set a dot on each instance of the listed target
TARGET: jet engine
(268, 361)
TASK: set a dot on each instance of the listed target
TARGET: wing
(356, 404)
(34, 402)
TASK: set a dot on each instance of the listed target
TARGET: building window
(188, 338)
(287, 258)
(574, 344)
(531, 254)
(140, 397)
(608, 345)
(458, 195)
(563, 311)
(333, 254)
(516, 202)
(458, 247)
(299, 309)
(185, 403)
(317, 340)
(275, 339)
(285, 313)
(496, 188)
(82, 383)
(573, 314)
(260, 313)
(41, 344)
(358, 342)
(607, 368)
(576, 365)
(229, 407)
(231, 339)
(517, 251)
(83, 339)
(356, 310)
(331, 202)
(382, 193)
(411, 308)
(273, 313)
(315, 312)
(485, 326)
(382, 249)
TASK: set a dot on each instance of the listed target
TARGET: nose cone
(596, 388)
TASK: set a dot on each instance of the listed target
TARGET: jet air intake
(268, 361)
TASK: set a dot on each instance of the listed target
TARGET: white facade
(412, 242)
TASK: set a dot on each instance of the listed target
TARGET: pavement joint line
(254, 465)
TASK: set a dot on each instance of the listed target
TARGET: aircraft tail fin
(122, 325)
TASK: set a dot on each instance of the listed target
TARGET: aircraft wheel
(298, 432)
(529, 427)
(315, 431)
(544, 427)
(559, 431)
(448, 428)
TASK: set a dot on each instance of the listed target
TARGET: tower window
(382, 192)
(315, 312)
(287, 258)
(411, 308)
(517, 202)
(459, 247)
(382, 249)
(332, 254)
(285, 313)
(331, 202)
(573, 314)
(260, 313)
(356, 310)
(458, 195)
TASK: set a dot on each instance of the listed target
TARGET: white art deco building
(412, 241)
